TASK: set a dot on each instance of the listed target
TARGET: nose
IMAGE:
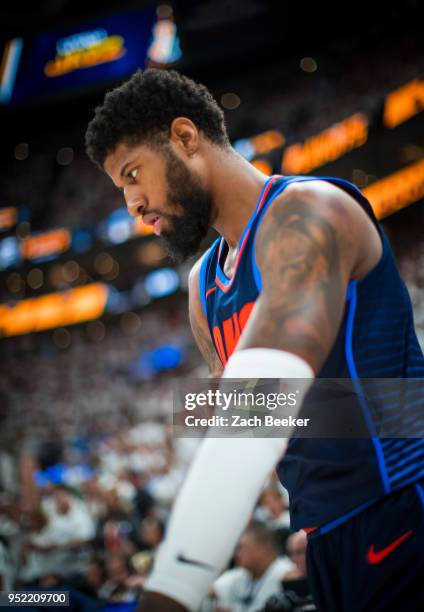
(135, 203)
(135, 208)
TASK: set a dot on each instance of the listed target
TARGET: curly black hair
(143, 108)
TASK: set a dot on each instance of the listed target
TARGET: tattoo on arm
(304, 279)
(205, 345)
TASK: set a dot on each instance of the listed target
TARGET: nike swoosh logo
(377, 557)
(205, 566)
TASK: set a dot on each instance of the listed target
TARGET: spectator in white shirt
(58, 547)
(260, 570)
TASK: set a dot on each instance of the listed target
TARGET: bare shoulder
(332, 215)
(329, 202)
(307, 250)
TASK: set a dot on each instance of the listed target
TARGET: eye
(133, 173)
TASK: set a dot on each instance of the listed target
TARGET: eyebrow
(125, 166)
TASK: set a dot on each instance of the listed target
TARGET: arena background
(93, 317)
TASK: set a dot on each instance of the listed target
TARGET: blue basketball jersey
(329, 480)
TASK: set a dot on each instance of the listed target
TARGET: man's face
(247, 552)
(63, 503)
(159, 186)
(116, 569)
(273, 502)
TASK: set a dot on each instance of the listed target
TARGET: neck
(236, 187)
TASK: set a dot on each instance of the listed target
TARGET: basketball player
(300, 284)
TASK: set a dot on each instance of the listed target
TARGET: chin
(176, 254)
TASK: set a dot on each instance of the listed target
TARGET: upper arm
(305, 251)
(199, 324)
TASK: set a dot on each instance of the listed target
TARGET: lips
(154, 220)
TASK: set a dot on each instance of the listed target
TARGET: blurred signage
(260, 144)
(263, 165)
(404, 103)
(397, 190)
(119, 227)
(8, 68)
(10, 253)
(84, 50)
(46, 244)
(8, 217)
(327, 146)
(53, 310)
(98, 51)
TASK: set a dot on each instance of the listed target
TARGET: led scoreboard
(97, 51)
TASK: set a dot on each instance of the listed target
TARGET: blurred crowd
(101, 369)
(89, 516)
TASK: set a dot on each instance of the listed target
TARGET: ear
(185, 135)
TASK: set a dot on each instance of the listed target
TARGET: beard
(187, 230)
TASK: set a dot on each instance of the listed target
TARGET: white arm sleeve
(220, 491)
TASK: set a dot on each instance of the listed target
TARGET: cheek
(162, 198)
(160, 188)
